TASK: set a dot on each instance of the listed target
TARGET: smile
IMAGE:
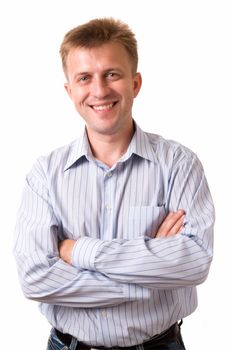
(104, 107)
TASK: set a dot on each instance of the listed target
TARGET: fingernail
(181, 211)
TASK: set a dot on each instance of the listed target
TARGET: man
(115, 230)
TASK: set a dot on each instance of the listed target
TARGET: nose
(99, 88)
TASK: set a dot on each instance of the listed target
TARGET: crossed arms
(90, 272)
(171, 226)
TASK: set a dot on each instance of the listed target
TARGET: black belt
(158, 340)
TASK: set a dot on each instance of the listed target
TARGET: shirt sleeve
(171, 262)
(43, 275)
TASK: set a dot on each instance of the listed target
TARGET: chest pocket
(145, 220)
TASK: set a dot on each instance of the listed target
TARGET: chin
(105, 131)
(108, 129)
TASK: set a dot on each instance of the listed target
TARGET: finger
(166, 224)
(171, 221)
(178, 226)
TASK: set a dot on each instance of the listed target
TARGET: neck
(110, 148)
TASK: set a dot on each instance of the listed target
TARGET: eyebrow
(78, 74)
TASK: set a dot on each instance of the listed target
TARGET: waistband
(157, 340)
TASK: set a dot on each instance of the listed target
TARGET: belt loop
(73, 344)
(140, 347)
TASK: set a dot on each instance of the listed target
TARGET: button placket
(108, 205)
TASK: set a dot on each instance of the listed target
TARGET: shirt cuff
(84, 253)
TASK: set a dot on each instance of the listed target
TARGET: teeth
(102, 108)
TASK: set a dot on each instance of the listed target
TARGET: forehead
(101, 57)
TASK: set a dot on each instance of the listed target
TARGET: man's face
(102, 87)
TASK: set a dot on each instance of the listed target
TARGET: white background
(186, 61)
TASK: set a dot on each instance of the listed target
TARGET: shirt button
(109, 174)
(104, 313)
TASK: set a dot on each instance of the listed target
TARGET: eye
(112, 75)
(83, 79)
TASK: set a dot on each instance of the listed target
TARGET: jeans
(55, 344)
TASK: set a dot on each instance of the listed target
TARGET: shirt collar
(140, 145)
(78, 149)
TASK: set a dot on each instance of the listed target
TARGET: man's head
(98, 32)
(100, 63)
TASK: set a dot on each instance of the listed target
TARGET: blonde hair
(98, 32)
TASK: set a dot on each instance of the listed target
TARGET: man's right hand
(172, 224)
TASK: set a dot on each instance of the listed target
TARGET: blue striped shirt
(124, 285)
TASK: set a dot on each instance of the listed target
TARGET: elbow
(199, 274)
(34, 279)
(33, 287)
(204, 272)
(31, 292)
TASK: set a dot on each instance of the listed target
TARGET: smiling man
(103, 85)
(115, 230)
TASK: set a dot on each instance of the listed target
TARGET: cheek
(129, 97)
(78, 97)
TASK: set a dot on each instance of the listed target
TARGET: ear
(137, 83)
(68, 90)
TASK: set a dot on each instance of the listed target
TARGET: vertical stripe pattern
(124, 284)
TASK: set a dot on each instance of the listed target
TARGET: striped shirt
(124, 284)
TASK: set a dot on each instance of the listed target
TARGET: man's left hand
(65, 249)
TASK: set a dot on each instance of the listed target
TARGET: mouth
(103, 107)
